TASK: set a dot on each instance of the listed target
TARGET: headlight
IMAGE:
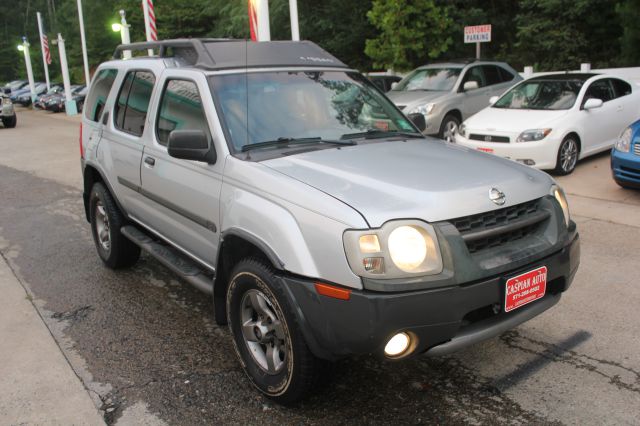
(398, 249)
(623, 144)
(6, 101)
(425, 109)
(559, 195)
(533, 135)
(462, 130)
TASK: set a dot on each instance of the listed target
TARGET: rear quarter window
(622, 88)
(97, 98)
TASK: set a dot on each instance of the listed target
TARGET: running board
(170, 257)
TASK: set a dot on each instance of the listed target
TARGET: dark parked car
(41, 100)
(23, 96)
(57, 101)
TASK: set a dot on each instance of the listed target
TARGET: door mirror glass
(592, 103)
(191, 145)
(470, 85)
(493, 100)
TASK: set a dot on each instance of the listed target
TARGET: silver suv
(438, 97)
(322, 223)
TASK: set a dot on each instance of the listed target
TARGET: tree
(410, 32)
(629, 13)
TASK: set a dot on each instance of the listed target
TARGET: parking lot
(146, 347)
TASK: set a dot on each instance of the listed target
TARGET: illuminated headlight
(462, 130)
(6, 101)
(559, 195)
(532, 135)
(623, 144)
(398, 249)
(425, 109)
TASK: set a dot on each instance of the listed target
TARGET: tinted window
(600, 89)
(99, 92)
(491, 74)
(505, 75)
(474, 74)
(180, 108)
(133, 102)
(622, 88)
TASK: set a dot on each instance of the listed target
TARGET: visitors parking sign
(477, 34)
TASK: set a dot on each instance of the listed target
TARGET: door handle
(150, 161)
(620, 108)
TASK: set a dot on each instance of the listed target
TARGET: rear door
(599, 123)
(181, 196)
(126, 126)
(626, 102)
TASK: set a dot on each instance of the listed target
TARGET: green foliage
(410, 32)
(629, 13)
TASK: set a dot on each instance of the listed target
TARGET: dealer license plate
(525, 288)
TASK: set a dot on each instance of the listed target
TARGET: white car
(551, 121)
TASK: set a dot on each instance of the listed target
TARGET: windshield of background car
(265, 106)
(541, 94)
(430, 79)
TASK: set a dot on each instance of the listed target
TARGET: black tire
(570, 147)
(448, 128)
(116, 251)
(10, 122)
(299, 371)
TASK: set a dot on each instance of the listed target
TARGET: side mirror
(493, 100)
(592, 103)
(470, 85)
(394, 85)
(191, 145)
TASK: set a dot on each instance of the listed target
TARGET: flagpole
(87, 76)
(147, 26)
(44, 55)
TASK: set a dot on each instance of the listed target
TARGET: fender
(87, 188)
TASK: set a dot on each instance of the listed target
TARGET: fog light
(527, 162)
(397, 345)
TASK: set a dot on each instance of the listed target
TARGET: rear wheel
(10, 122)
(266, 336)
(449, 128)
(567, 156)
(115, 250)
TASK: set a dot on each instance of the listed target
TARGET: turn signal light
(333, 291)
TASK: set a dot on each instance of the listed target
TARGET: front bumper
(443, 320)
(544, 153)
(625, 167)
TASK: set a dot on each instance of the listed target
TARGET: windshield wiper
(376, 134)
(286, 141)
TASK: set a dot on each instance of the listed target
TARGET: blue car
(625, 157)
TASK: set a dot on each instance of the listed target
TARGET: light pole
(70, 104)
(24, 47)
(83, 42)
(123, 28)
(293, 15)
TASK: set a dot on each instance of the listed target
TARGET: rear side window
(180, 108)
(131, 108)
(97, 98)
(491, 74)
(505, 75)
(622, 88)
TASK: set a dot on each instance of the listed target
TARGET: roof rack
(190, 49)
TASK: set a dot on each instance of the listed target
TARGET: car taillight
(81, 148)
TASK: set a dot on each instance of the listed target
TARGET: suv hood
(420, 178)
(513, 120)
(407, 97)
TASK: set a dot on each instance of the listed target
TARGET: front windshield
(326, 105)
(541, 94)
(430, 79)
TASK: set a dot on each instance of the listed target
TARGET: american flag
(45, 46)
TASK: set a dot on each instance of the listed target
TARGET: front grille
(636, 148)
(489, 138)
(630, 172)
(495, 228)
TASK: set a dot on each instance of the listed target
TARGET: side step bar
(173, 259)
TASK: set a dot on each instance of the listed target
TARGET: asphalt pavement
(144, 347)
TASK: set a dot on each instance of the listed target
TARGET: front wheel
(449, 128)
(567, 156)
(266, 336)
(10, 122)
